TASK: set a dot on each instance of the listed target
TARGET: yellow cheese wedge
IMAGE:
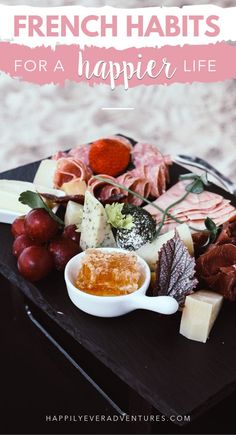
(199, 314)
(77, 187)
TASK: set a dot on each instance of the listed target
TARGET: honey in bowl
(104, 273)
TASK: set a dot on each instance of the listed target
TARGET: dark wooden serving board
(143, 349)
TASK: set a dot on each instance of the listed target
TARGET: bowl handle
(159, 304)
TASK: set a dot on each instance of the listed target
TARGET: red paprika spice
(109, 156)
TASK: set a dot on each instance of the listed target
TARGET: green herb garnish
(34, 200)
(116, 218)
(198, 182)
(212, 228)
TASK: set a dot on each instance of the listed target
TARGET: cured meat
(153, 164)
(98, 187)
(69, 169)
(217, 269)
(136, 184)
(122, 140)
(228, 234)
(194, 209)
(80, 153)
(148, 178)
(155, 175)
(145, 153)
(104, 191)
(59, 155)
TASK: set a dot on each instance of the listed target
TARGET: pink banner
(129, 68)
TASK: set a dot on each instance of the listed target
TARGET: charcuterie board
(145, 350)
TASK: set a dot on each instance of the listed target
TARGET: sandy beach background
(198, 119)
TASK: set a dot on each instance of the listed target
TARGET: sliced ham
(69, 169)
(194, 209)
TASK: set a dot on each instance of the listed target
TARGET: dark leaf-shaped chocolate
(175, 271)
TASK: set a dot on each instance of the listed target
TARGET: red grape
(35, 263)
(40, 226)
(20, 243)
(18, 226)
(71, 233)
(63, 250)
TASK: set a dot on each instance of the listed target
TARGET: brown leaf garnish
(175, 274)
(63, 199)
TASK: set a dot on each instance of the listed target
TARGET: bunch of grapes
(40, 244)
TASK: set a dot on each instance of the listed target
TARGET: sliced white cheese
(95, 231)
(15, 186)
(109, 239)
(149, 251)
(75, 187)
(9, 202)
(10, 190)
(45, 173)
(74, 213)
(199, 314)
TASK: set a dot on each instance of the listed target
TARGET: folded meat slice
(149, 177)
(101, 189)
(217, 269)
(136, 184)
(80, 153)
(69, 169)
(228, 234)
(204, 200)
(194, 209)
(104, 190)
(145, 153)
(155, 176)
(59, 155)
(153, 165)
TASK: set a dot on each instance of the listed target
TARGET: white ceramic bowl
(113, 306)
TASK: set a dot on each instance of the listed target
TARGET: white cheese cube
(95, 231)
(45, 173)
(74, 214)
(149, 251)
(199, 314)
